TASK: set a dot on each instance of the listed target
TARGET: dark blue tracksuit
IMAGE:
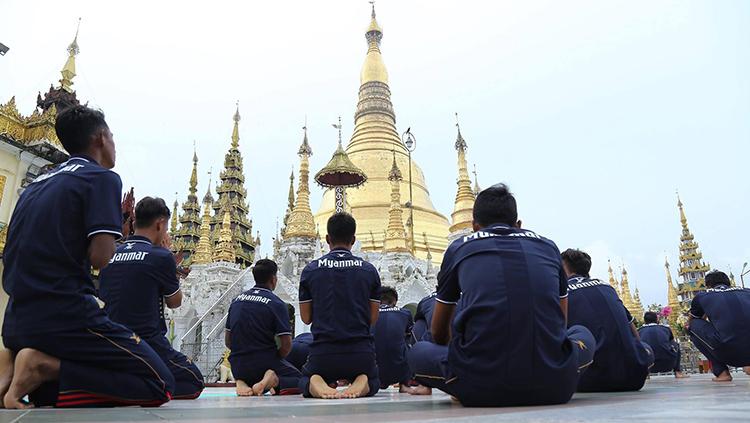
(133, 287)
(666, 350)
(725, 338)
(391, 332)
(621, 362)
(340, 287)
(300, 349)
(52, 305)
(509, 342)
(423, 318)
(256, 318)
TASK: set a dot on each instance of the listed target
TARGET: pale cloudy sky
(593, 111)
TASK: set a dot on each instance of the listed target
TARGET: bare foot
(746, 369)
(319, 388)
(6, 371)
(269, 381)
(359, 388)
(416, 390)
(680, 375)
(31, 369)
(723, 377)
(243, 390)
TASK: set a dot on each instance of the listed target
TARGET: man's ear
(328, 239)
(518, 224)
(475, 226)
(354, 239)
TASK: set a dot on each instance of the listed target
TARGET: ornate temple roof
(692, 268)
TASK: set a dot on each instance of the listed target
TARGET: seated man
(68, 353)
(339, 294)
(509, 344)
(719, 325)
(140, 279)
(300, 349)
(393, 327)
(423, 318)
(661, 340)
(257, 317)
(621, 361)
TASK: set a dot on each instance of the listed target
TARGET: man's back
(595, 304)
(390, 337)
(255, 318)
(341, 288)
(134, 284)
(509, 330)
(728, 308)
(46, 270)
(659, 338)
(424, 314)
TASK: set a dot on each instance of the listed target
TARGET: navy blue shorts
(187, 376)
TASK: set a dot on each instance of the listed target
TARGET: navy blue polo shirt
(391, 330)
(47, 272)
(728, 309)
(508, 330)
(341, 288)
(134, 285)
(424, 312)
(660, 339)
(595, 305)
(256, 318)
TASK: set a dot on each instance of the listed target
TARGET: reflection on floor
(663, 399)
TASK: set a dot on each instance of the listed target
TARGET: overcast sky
(594, 112)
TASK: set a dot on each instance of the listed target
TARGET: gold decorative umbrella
(340, 173)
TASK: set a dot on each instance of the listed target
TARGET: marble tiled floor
(663, 399)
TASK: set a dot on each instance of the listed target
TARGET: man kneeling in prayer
(661, 340)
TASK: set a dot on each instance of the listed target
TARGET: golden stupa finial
(373, 69)
(427, 246)
(462, 216)
(173, 225)
(225, 247)
(236, 129)
(68, 71)
(476, 182)
(395, 238)
(460, 142)
(194, 174)
(612, 281)
(204, 249)
(683, 218)
(301, 222)
(290, 198)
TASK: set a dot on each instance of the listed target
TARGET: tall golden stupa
(371, 148)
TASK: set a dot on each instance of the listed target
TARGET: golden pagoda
(625, 294)
(637, 311)
(231, 194)
(612, 281)
(692, 268)
(395, 238)
(225, 248)
(187, 236)
(672, 301)
(462, 216)
(374, 139)
(204, 249)
(301, 223)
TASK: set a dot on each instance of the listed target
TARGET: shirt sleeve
(563, 279)
(419, 315)
(627, 314)
(227, 325)
(448, 289)
(281, 312)
(696, 309)
(375, 287)
(305, 294)
(103, 212)
(409, 324)
(167, 273)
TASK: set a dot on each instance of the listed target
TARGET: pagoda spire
(637, 311)
(672, 300)
(225, 248)
(612, 281)
(205, 248)
(173, 224)
(68, 71)
(464, 204)
(477, 190)
(395, 238)
(290, 200)
(236, 128)
(301, 222)
(692, 268)
(187, 236)
(626, 296)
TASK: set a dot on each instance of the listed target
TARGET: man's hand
(166, 242)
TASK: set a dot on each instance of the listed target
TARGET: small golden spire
(225, 247)
(69, 69)
(395, 238)
(194, 175)
(477, 190)
(683, 218)
(427, 246)
(462, 215)
(612, 281)
(290, 200)
(173, 225)
(204, 249)
(373, 69)
(626, 296)
(301, 222)
(672, 300)
(236, 129)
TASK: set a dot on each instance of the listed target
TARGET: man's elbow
(174, 300)
(99, 261)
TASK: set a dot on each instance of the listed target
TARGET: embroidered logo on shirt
(339, 263)
(136, 338)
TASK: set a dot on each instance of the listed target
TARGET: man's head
(264, 273)
(152, 219)
(82, 130)
(650, 317)
(341, 229)
(576, 262)
(388, 296)
(715, 278)
(495, 205)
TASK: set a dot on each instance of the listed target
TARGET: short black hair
(495, 205)
(650, 317)
(716, 278)
(264, 270)
(388, 295)
(75, 126)
(579, 262)
(341, 228)
(148, 210)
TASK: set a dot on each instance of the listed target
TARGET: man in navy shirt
(508, 341)
(300, 349)
(391, 331)
(720, 325)
(68, 352)
(257, 318)
(140, 279)
(339, 294)
(423, 318)
(661, 340)
(621, 361)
